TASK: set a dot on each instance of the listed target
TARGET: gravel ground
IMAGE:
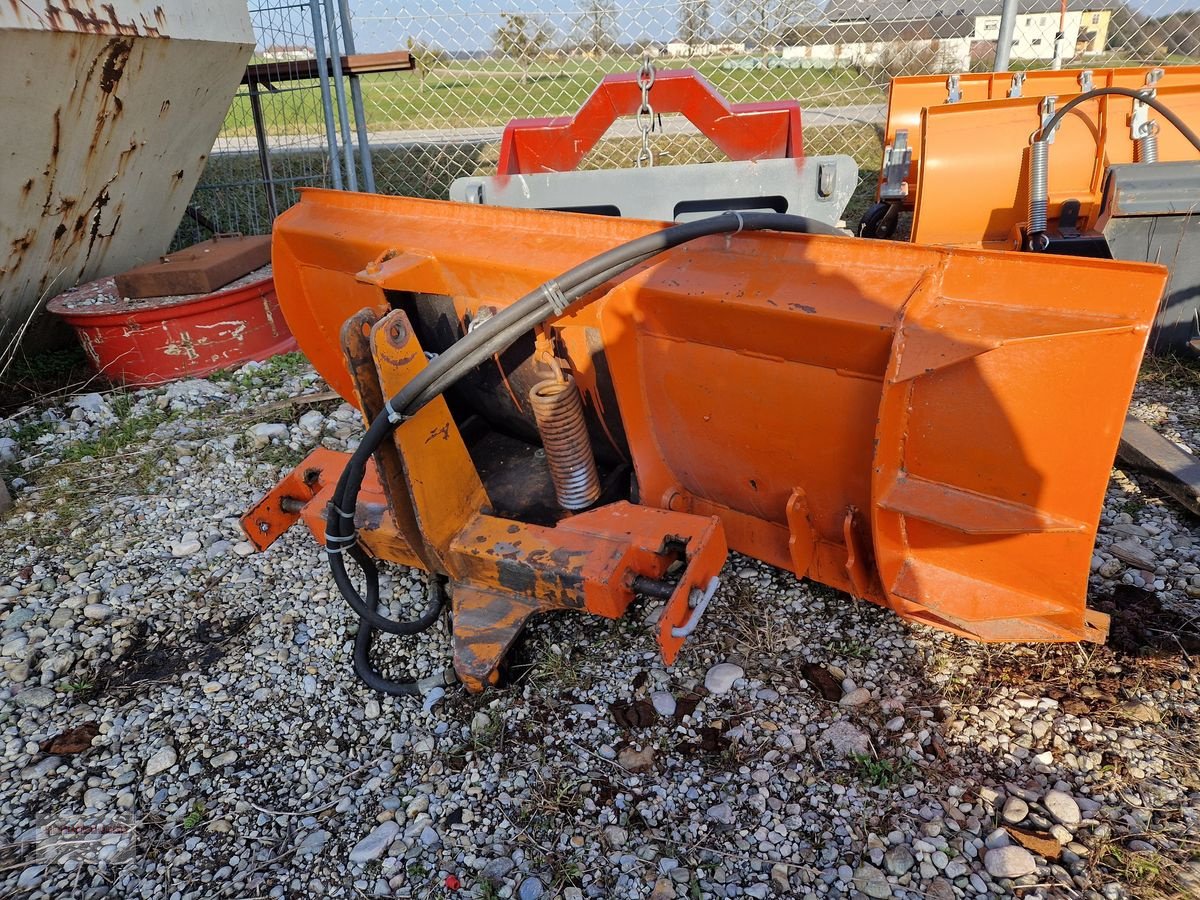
(194, 703)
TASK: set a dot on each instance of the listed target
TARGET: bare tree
(597, 26)
(695, 21)
(426, 56)
(766, 23)
(1136, 33)
(522, 38)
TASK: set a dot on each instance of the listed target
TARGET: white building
(1085, 28)
(704, 48)
(942, 45)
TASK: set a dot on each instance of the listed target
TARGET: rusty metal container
(111, 110)
(157, 339)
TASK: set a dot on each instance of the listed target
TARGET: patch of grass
(35, 374)
(884, 773)
(416, 870)
(283, 365)
(47, 365)
(490, 92)
(112, 440)
(1147, 873)
(282, 455)
(565, 873)
(26, 434)
(1170, 371)
(487, 890)
(556, 670)
(489, 738)
(852, 649)
(79, 686)
(272, 372)
(1133, 505)
(194, 817)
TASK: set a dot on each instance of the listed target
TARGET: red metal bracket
(769, 130)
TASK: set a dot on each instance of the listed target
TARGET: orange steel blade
(974, 191)
(910, 96)
(927, 428)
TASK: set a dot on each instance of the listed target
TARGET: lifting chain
(645, 113)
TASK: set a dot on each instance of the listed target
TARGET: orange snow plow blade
(909, 97)
(930, 429)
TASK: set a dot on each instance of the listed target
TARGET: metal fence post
(335, 166)
(360, 119)
(264, 154)
(1008, 22)
(339, 87)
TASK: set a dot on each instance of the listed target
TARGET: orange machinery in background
(1112, 176)
(910, 98)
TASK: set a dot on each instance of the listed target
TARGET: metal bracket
(698, 601)
(953, 89)
(1085, 81)
(1046, 110)
(1017, 88)
(816, 186)
(1068, 219)
(1139, 121)
(897, 161)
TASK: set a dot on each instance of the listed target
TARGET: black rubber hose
(1152, 102)
(365, 608)
(492, 337)
(365, 669)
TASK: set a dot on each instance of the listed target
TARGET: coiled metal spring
(558, 411)
(1039, 159)
(1145, 148)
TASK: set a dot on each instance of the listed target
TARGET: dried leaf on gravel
(824, 683)
(636, 760)
(1035, 841)
(73, 741)
(638, 714)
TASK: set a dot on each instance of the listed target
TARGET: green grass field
(230, 196)
(489, 93)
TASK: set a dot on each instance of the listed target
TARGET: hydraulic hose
(1153, 102)
(365, 669)
(492, 337)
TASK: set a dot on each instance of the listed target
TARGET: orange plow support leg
(927, 428)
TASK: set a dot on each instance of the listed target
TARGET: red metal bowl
(158, 339)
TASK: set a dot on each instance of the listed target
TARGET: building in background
(929, 45)
(285, 53)
(1086, 26)
(705, 48)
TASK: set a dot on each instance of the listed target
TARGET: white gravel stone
(664, 703)
(374, 844)
(770, 789)
(1015, 810)
(265, 433)
(1062, 807)
(162, 760)
(1009, 862)
(855, 697)
(720, 678)
(846, 739)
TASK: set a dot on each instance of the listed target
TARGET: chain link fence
(274, 140)
(484, 62)
(481, 63)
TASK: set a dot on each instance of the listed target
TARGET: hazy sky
(470, 24)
